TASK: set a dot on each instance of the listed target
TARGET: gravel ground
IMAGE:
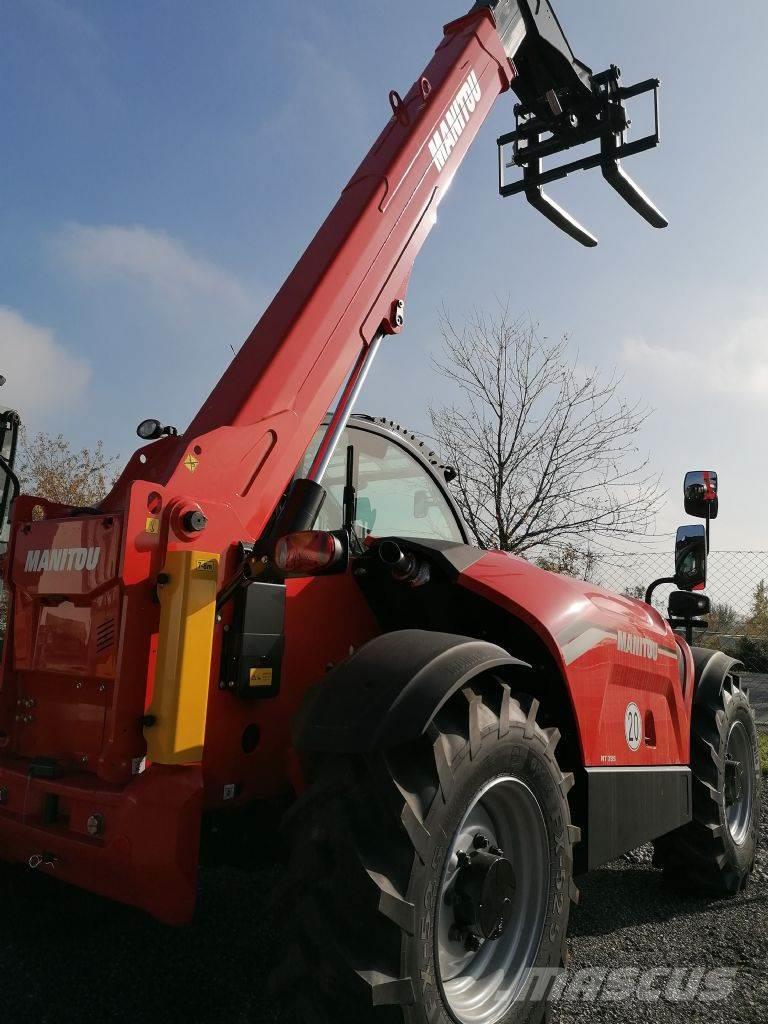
(68, 956)
(629, 917)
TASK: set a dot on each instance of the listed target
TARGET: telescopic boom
(348, 290)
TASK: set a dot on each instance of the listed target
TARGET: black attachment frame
(10, 422)
(567, 117)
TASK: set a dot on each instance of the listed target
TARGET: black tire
(711, 855)
(369, 841)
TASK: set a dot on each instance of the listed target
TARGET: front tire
(428, 882)
(715, 853)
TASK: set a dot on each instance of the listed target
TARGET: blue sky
(165, 163)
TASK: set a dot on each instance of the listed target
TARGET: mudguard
(390, 689)
(710, 669)
(609, 650)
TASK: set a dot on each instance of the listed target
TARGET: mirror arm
(657, 583)
(12, 477)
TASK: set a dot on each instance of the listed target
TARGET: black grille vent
(105, 635)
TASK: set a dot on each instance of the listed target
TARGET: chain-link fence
(737, 585)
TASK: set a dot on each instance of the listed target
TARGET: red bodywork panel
(66, 627)
(83, 641)
(324, 619)
(79, 660)
(581, 626)
(148, 852)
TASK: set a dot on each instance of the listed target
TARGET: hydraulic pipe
(343, 410)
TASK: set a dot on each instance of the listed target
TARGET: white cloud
(42, 376)
(154, 261)
(731, 362)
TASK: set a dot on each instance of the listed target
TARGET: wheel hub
(492, 908)
(734, 780)
(739, 783)
(483, 895)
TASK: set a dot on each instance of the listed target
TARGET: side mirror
(421, 504)
(365, 514)
(700, 493)
(685, 611)
(691, 558)
(684, 606)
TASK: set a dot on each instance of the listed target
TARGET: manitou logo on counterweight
(62, 560)
(456, 119)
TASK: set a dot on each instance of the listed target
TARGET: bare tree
(546, 454)
(50, 468)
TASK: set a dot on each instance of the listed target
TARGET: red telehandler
(464, 731)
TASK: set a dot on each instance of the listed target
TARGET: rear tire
(374, 884)
(715, 853)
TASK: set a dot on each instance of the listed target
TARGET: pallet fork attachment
(564, 105)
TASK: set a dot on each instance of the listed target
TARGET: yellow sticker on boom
(191, 462)
(260, 677)
(153, 525)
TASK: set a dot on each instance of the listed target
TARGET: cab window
(396, 495)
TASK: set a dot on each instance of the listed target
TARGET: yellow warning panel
(191, 462)
(260, 677)
(180, 695)
(153, 525)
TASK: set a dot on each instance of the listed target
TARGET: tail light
(308, 553)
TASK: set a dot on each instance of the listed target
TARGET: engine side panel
(62, 664)
(613, 652)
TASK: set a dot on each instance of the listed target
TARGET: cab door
(398, 494)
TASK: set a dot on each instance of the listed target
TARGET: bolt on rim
(739, 782)
(482, 972)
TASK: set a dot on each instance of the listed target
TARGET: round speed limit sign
(632, 726)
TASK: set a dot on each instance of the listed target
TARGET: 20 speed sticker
(632, 726)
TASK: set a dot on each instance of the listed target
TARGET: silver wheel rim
(479, 987)
(739, 757)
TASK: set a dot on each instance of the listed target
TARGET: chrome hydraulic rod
(343, 410)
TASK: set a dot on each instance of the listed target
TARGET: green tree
(757, 623)
(753, 648)
(723, 626)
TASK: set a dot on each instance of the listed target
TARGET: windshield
(396, 495)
